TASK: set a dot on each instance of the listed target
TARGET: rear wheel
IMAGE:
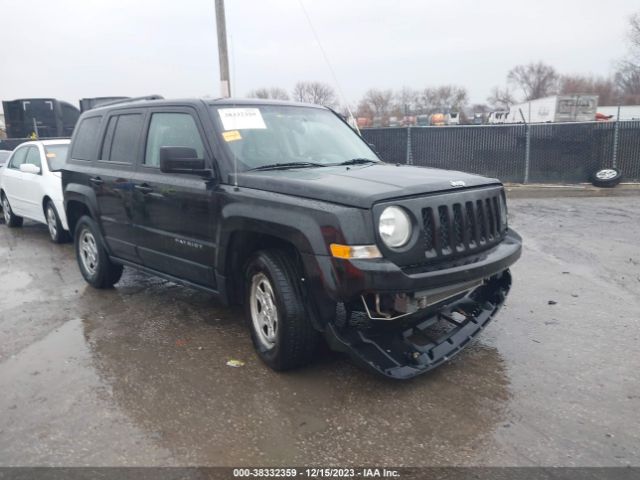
(10, 218)
(56, 232)
(281, 328)
(94, 263)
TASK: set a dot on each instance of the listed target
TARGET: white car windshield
(276, 135)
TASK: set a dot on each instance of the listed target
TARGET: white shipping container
(627, 112)
(557, 108)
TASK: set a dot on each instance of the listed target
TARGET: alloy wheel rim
(606, 174)
(52, 222)
(264, 313)
(88, 252)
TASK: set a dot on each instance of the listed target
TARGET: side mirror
(29, 168)
(181, 160)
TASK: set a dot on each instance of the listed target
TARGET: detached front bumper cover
(406, 352)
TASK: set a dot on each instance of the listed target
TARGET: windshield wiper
(357, 161)
(283, 166)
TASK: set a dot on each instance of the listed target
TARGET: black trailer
(39, 117)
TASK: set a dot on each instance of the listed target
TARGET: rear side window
(121, 140)
(171, 130)
(86, 139)
(18, 157)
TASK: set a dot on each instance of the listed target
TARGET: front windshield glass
(265, 135)
(56, 156)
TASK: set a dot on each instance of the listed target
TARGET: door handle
(144, 188)
(96, 180)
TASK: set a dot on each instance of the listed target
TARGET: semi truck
(556, 108)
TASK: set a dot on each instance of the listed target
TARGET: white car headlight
(394, 227)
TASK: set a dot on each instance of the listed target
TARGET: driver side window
(171, 130)
(33, 157)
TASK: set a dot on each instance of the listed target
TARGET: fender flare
(86, 196)
(288, 231)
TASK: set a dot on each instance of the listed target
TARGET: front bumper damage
(405, 348)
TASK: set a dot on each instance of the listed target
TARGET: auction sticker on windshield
(241, 118)
(231, 136)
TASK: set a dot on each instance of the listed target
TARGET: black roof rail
(128, 100)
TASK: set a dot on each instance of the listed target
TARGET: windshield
(56, 156)
(268, 135)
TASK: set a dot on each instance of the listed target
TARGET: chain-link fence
(544, 153)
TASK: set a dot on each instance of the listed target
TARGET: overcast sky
(72, 49)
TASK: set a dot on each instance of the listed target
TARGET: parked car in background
(4, 156)
(422, 120)
(31, 186)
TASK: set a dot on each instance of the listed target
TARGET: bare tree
(634, 36)
(501, 98)
(407, 101)
(315, 92)
(378, 101)
(604, 87)
(536, 80)
(364, 109)
(445, 97)
(276, 93)
(627, 80)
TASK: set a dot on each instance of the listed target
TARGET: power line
(326, 59)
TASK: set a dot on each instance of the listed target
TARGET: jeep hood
(360, 185)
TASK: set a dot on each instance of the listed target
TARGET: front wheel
(10, 218)
(56, 232)
(281, 328)
(94, 263)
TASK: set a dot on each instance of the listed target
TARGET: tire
(10, 218)
(606, 177)
(57, 234)
(284, 337)
(94, 263)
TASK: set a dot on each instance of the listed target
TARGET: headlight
(394, 227)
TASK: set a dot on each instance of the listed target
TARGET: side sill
(218, 295)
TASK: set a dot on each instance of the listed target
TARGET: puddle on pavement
(162, 351)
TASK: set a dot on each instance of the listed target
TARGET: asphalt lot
(138, 376)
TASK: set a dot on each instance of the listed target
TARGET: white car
(31, 188)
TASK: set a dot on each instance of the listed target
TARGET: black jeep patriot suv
(284, 208)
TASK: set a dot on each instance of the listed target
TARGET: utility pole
(223, 57)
